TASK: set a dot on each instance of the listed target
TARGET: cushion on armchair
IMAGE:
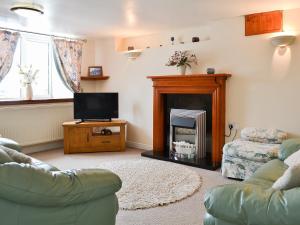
(271, 136)
(288, 147)
(255, 151)
(290, 179)
(293, 159)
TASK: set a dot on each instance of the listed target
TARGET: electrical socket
(233, 126)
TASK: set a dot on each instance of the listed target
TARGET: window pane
(36, 53)
(10, 85)
(34, 50)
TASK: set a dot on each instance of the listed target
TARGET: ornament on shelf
(172, 40)
(195, 39)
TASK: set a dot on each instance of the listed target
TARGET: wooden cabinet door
(79, 139)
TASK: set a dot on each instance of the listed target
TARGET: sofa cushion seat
(254, 151)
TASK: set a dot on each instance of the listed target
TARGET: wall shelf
(95, 78)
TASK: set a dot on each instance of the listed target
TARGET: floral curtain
(67, 57)
(8, 44)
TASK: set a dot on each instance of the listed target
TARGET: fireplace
(187, 134)
(199, 96)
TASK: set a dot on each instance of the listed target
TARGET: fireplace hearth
(189, 119)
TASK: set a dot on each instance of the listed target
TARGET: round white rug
(151, 183)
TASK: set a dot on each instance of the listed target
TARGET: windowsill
(34, 101)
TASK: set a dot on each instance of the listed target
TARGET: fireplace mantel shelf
(214, 85)
(192, 76)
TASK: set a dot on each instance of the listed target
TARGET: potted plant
(28, 77)
(182, 59)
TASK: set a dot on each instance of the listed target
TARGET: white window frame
(51, 66)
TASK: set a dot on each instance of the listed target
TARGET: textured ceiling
(103, 18)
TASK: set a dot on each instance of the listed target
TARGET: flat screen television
(96, 106)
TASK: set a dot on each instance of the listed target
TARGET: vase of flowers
(29, 92)
(28, 77)
(182, 60)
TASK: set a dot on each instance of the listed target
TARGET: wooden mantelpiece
(191, 84)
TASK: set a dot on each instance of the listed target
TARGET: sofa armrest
(247, 203)
(27, 184)
(10, 144)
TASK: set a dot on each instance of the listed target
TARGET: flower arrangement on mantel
(29, 75)
(182, 60)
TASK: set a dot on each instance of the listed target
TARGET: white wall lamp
(133, 54)
(283, 40)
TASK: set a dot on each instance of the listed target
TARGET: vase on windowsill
(28, 92)
(182, 69)
(28, 76)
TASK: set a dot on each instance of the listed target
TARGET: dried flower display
(182, 59)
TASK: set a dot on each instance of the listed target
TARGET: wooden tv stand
(86, 137)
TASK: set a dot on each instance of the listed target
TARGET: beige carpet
(189, 211)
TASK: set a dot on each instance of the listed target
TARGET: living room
(149, 112)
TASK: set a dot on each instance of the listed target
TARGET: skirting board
(59, 144)
(43, 147)
(132, 144)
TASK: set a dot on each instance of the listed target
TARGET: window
(34, 50)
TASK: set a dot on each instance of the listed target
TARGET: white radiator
(35, 124)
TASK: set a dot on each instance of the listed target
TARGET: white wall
(88, 59)
(262, 92)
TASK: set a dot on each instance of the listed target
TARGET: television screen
(96, 106)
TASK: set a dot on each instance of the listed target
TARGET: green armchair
(35, 193)
(254, 201)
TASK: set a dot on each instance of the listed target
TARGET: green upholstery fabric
(10, 144)
(35, 193)
(254, 201)
(16, 156)
(4, 157)
(210, 220)
(288, 147)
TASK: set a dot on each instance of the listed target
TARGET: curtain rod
(43, 34)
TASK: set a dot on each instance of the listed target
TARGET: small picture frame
(95, 71)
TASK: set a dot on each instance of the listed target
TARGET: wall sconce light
(133, 54)
(283, 40)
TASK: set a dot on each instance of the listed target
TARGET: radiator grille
(31, 125)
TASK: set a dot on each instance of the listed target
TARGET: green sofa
(254, 202)
(35, 193)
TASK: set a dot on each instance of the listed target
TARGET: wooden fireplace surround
(191, 84)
